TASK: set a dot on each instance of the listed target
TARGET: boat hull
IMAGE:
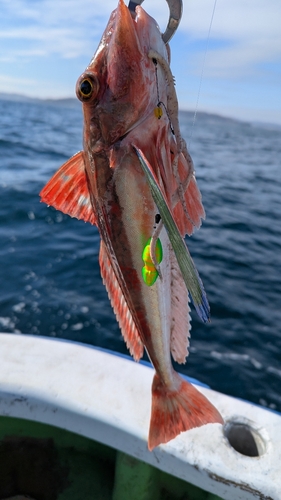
(71, 393)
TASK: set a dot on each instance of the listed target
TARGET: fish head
(119, 87)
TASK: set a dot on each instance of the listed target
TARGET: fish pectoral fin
(68, 190)
(120, 306)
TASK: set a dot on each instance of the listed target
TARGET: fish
(135, 180)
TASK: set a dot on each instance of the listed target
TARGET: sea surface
(50, 278)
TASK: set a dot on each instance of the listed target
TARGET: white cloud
(240, 60)
(249, 34)
(233, 18)
(250, 29)
(63, 27)
(42, 41)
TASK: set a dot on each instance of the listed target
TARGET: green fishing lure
(149, 271)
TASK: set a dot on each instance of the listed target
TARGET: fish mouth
(132, 7)
(175, 7)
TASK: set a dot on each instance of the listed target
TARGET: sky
(46, 44)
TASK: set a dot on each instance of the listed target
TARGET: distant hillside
(74, 103)
(68, 101)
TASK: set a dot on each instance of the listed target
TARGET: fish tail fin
(177, 410)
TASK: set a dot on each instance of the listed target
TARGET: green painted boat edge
(74, 467)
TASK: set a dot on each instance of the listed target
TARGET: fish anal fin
(120, 307)
(180, 317)
(176, 411)
(68, 190)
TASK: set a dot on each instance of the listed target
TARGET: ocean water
(50, 279)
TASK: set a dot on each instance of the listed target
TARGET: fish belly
(151, 304)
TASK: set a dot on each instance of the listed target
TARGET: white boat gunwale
(106, 397)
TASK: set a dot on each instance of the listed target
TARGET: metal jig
(175, 7)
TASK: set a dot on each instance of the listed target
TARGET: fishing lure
(149, 271)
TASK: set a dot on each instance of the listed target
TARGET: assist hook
(175, 7)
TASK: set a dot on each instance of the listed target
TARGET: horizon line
(18, 97)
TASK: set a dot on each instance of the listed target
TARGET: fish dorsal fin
(192, 197)
(68, 190)
(180, 317)
(120, 307)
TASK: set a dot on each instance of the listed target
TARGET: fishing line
(158, 111)
(202, 72)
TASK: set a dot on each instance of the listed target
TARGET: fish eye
(87, 87)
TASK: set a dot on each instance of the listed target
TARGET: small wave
(234, 356)
(77, 326)
(8, 324)
(26, 150)
(18, 308)
(274, 371)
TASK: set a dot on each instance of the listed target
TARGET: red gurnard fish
(130, 123)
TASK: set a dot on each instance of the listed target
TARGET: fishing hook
(175, 7)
